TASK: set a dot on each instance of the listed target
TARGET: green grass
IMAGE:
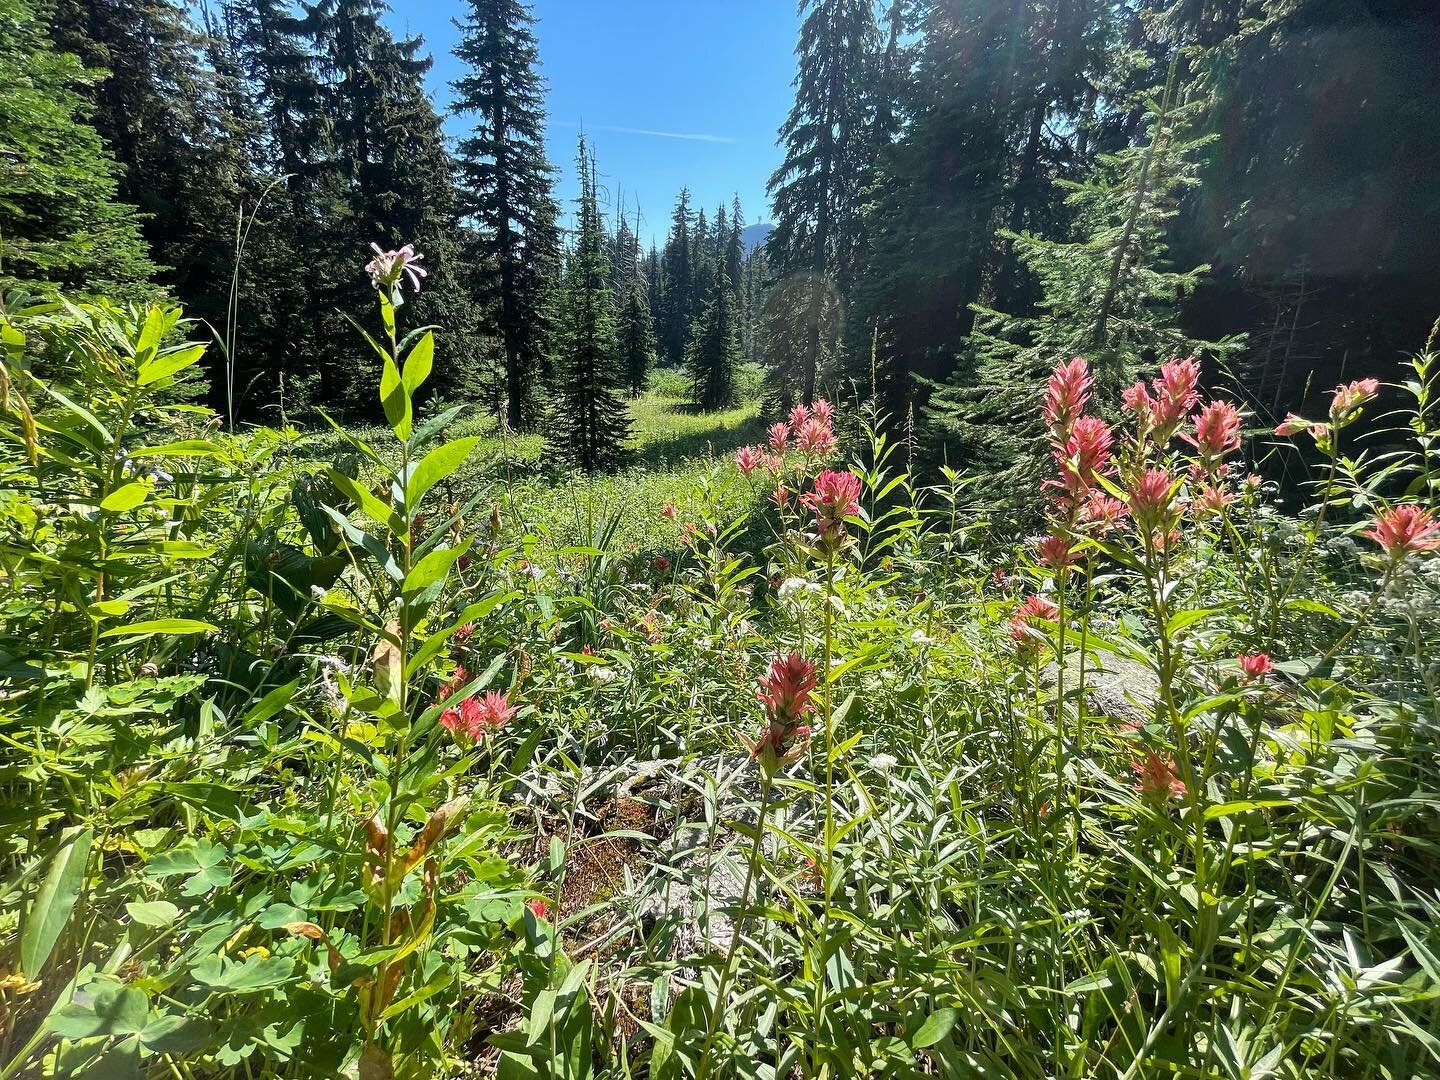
(676, 453)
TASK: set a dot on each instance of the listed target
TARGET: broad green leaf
(174, 1034)
(153, 912)
(395, 399)
(1244, 806)
(181, 448)
(430, 570)
(108, 609)
(936, 1026)
(436, 466)
(247, 976)
(378, 510)
(269, 705)
(114, 1010)
(418, 363)
(152, 371)
(55, 901)
(125, 498)
(161, 626)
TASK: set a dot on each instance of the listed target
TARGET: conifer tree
(677, 302)
(715, 349)
(1106, 294)
(637, 326)
(505, 189)
(815, 192)
(60, 221)
(590, 424)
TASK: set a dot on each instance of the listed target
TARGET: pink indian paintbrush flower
(1345, 405)
(1217, 431)
(1212, 498)
(538, 907)
(1291, 425)
(823, 411)
(668, 512)
(388, 268)
(1176, 389)
(798, 415)
(779, 437)
(1084, 455)
(749, 459)
(785, 692)
(475, 716)
(1026, 623)
(1155, 777)
(1100, 513)
(1150, 497)
(816, 436)
(835, 496)
(1056, 552)
(1404, 530)
(1255, 665)
(1066, 395)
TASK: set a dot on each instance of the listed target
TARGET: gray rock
(1115, 686)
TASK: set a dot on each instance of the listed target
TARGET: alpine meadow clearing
(461, 617)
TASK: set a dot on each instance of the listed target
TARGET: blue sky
(672, 93)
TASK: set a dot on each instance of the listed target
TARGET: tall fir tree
(61, 224)
(815, 193)
(1107, 293)
(715, 348)
(637, 326)
(677, 296)
(505, 188)
(590, 423)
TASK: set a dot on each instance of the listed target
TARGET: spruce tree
(715, 349)
(60, 222)
(505, 189)
(677, 301)
(590, 424)
(815, 192)
(1107, 293)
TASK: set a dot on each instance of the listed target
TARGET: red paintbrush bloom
(1217, 431)
(1405, 530)
(668, 511)
(1025, 625)
(1138, 400)
(1155, 778)
(823, 411)
(1292, 425)
(1067, 395)
(779, 437)
(1345, 405)
(1100, 513)
(816, 437)
(1255, 665)
(785, 692)
(1056, 552)
(798, 415)
(1175, 391)
(1150, 499)
(749, 459)
(1084, 455)
(538, 907)
(836, 496)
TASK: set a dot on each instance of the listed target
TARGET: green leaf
(114, 1010)
(172, 1034)
(125, 498)
(253, 974)
(153, 912)
(269, 705)
(936, 1026)
(182, 448)
(430, 570)
(418, 363)
(436, 466)
(1244, 806)
(395, 399)
(161, 626)
(161, 367)
(377, 509)
(55, 901)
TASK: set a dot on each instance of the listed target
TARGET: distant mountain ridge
(754, 235)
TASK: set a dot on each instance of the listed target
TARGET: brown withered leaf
(386, 664)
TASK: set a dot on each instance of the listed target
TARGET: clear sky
(673, 93)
